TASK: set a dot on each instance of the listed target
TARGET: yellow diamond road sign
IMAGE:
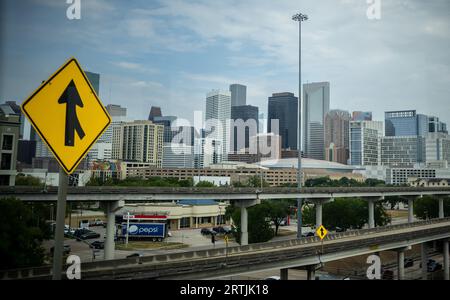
(67, 114)
(322, 232)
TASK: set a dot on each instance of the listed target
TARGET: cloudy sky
(170, 53)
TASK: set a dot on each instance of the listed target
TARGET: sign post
(322, 233)
(128, 229)
(59, 230)
(69, 117)
(226, 247)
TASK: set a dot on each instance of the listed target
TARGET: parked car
(273, 278)
(66, 249)
(79, 232)
(409, 262)
(432, 266)
(339, 229)
(68, 231)
(284, 222)
(387, 275)
(222, 230)
(89, 236)
(135, 255)
(97, 245)
(207, 231)
(308, 234)
(97, 222)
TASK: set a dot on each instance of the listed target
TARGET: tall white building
(139, 141)
(207, 152)
(437, 147)
(316, 104)
(217, 118)
(365, 142)
(101, 151)
(402, 151)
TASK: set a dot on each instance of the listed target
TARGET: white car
(273, 278)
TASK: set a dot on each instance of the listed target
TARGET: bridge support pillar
(244, 204)
(410, 210)
(446, 261)
(401, 264)
(441, 208)
(371, 214)
(311, 275)
(111, 208)
(424, 261)
(284, 274)
(319, 206)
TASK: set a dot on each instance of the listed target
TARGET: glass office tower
(284, 108)
(406, 123)
(316, 105)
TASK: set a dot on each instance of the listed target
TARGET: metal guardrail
(43, 272)
(222, 264)
(216, 190)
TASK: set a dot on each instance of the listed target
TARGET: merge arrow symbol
(72, 99)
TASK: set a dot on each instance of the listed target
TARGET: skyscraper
(402, 151)
(103, 148)
(364, 142)
(140, 141)
(178, 156)
(94, 79)
(337, 126)
(217, 117)
(238, 95)
(316, 105)
(406, 123)
(362, 116)
(167, 122)
(283, 107)
(436, 126)
(246, 125)
(155, 111)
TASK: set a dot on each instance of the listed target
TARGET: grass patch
(398, 213)
(141, 245)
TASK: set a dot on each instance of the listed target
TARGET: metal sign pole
(128, 228)
(60, 220)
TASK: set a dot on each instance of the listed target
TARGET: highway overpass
(306, 253)
(116, 197)
(140, 194)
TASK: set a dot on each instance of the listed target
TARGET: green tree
(256, 182)
(141, 182)
(259, 229)
(22, 180)
(346, 213)
(276, 211)
(343, 182)
(428, 207)
(205, 184)
(20, 237)
(374, 182)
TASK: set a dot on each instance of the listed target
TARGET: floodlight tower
(299, 18)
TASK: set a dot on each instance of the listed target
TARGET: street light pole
(299, 18)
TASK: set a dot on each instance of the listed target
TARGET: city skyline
(153, 61)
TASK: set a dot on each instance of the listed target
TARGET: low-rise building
(183, 213)
(429, 182)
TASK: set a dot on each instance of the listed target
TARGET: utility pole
(299, 18)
